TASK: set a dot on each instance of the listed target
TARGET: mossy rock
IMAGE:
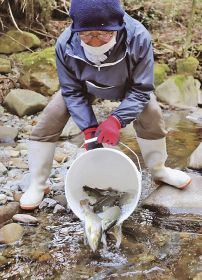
(179, 90)
(39, 71)
(5, 65)
(160, 73)
(16, 41)
(187, 65)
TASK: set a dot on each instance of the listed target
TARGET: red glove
(109, 131)
(90, 133)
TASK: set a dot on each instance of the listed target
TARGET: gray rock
(5, 65)
(59, 209)
(25, 219)
(196, 117)
(195, 160)
(170, 200)
(25, 182)
(8, 135)
(11, 233)
(3, 169)
(8, 211)
(179, 90)
(24, 102)
(47, 202)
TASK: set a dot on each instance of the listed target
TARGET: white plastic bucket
(102, 168)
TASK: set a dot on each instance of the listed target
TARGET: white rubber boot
(40, 159)
(155, 155)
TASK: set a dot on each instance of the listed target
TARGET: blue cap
(88, 15)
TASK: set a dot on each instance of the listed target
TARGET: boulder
(187, 65)
(24, 102)
(179, 90)
(15, 41)
(11, 233)
(195, 160)
(160, 73)
(5, 65)
(39, 72)
(170, 200)
(8, 135)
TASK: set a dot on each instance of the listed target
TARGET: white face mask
(97, 54)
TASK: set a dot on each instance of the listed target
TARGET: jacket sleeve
(74, 96)
(141, 64)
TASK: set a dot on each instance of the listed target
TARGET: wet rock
(3, 169)
(59, 209)
(25, 39)
(5, 65)
(187, 65)
(25, 219)
(196, 116)
(170, 200)
(195, 160)
(47, 202)
(61, 199)
(160, 73)
(3, 199)
(8, 211)
(10, 233)
(179, 90)
(24, 102)
(8, 135)
(39, 72)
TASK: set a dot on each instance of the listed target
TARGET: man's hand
(90, 133)
(109, 131)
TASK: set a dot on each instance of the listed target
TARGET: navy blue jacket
(126, 75)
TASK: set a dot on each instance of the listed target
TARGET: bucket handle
(138, 161)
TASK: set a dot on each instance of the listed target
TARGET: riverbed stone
(187, 65)
(179, 90)
(39, 72)
(8, 211)
(170, 200)
(70, 129)
(16, 41)
(11, 233)
(195, 160)
(5, 66)
(24, 102)
(8, 135)
(1, 109)
(25, 219)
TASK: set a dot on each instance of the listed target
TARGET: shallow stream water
(153, 246)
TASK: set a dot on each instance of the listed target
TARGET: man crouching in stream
(108, 54)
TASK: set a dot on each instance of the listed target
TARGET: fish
(92, 225)
(109, 217)
(103, 197)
